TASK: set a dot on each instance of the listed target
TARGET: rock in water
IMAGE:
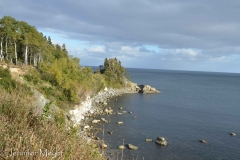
(120, 122)
(121, 147)
(95, 121)
(233, 134)
(203, 141)
(149, 140)
(147, 89)
(161, 141)
(104, 120)
(130, 146)
(104, 145)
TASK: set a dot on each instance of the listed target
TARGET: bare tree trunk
(26, 55)
(40, 56)
(1, 51)
(35, 60)
(16, 58)
(30, 60)
(6, 48)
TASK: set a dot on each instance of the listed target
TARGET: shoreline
(92, 106)
(86, 114)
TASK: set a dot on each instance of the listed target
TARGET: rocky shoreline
(91, 106)
(84, 114)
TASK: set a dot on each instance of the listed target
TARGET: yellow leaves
(59, 77)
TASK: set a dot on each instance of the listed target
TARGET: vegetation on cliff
(24, 130)
(55, 73)
(49, 69)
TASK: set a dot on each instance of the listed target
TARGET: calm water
(192, 106)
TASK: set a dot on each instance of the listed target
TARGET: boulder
(203, 141)
(147, 89)
(86, 127)
(161, 141)
(121, 147)
(103, 145)
(104, 120)
(149, 140)
(119, 122)
(233, 134)
(130, 146)
(95, 121)
(106, 111)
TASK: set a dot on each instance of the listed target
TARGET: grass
(23, 129)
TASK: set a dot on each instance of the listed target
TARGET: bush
(33, 76)
(6, 82)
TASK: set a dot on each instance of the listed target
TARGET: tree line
(22, 43)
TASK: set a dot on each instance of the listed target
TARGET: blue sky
(161, 34)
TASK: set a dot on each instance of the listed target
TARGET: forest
(54, 72)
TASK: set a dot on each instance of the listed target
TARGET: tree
(49, 40)
(29, 38)
(113, 71)
(1, 41)
(64, 50)
(15, 37)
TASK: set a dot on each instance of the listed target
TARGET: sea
(192, 106)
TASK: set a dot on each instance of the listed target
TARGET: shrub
(6, 82)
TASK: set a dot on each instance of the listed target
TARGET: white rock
(86, 127)
(130, 146)
(104, 145)
(121, 147)
(161, 141)
(95, 121)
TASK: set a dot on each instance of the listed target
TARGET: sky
(191, 35)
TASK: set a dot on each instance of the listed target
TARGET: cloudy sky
(193, 35)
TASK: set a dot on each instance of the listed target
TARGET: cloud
(129, 50)
(95, 49)
(188, 52)
(183, 30)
